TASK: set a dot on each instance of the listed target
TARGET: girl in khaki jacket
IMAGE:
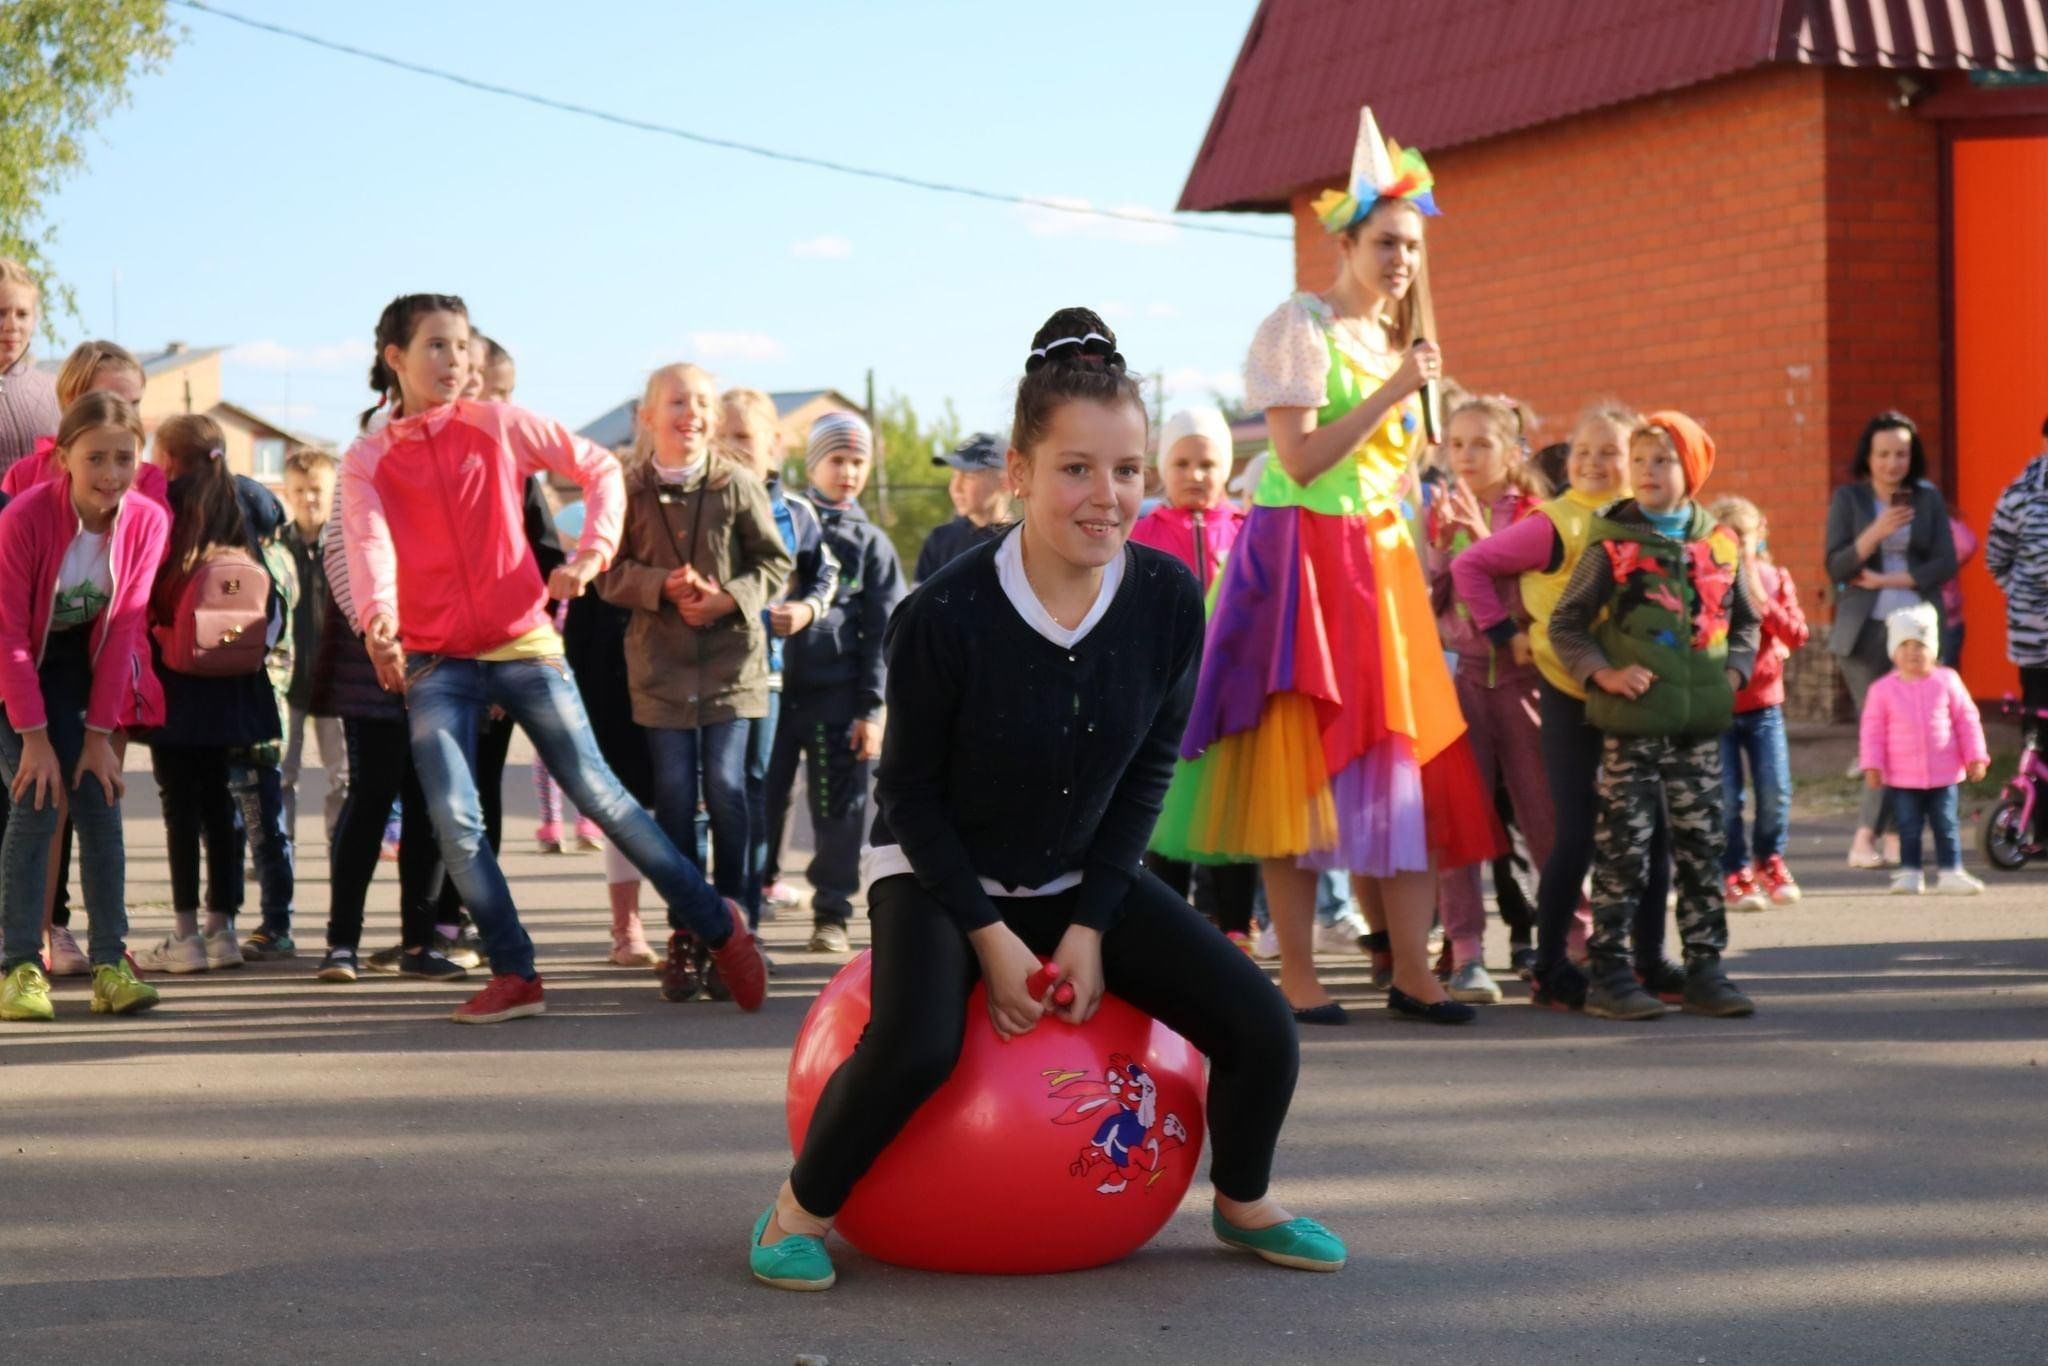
(699, 558)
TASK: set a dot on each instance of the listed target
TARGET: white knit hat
(1918, 622)
(1205, 420)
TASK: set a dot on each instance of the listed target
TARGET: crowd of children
(1421, 652)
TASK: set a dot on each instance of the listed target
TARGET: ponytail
(206, 508)
(395, 326)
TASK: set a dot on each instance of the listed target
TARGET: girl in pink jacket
(455, 614)
(77, 558)
(1922, 736)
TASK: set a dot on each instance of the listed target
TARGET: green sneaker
(1302, 1244)
(796, 1263)
(265, 946)
(25, 994)
(116, 990)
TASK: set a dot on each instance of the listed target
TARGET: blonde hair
(1611, 411)
(643, 440)
(95, 410)
(751, 404)
(83, 365)
(308, 460)
(1740, 516)
(13, 272)
(1510, 422)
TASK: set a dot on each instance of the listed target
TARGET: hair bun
(1075, 337)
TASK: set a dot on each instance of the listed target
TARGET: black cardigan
(1011, 758)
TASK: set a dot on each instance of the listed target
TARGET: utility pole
(881, 456)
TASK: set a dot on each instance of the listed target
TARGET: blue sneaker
(1302, 1244)
(796, 1263)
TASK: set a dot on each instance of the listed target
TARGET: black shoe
(1615, 994)
(431, 963)
(339, 966)
(384, 960)
(463, 951)
(682, 973)
(1442, 1012)
(1664, 980)
(1328, 1013)
(1563, 987)
(1522, 958)
(1709, 992)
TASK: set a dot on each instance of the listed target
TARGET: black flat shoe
(1443, 1012)
(1328, 1013)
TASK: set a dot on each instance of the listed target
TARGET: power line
(706, 140)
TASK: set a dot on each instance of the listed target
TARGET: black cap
(982, 451)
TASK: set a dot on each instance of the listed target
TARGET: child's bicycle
(2008, 838)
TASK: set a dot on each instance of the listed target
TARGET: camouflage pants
(1637, 775)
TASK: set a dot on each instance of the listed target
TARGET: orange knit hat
(1695, 448)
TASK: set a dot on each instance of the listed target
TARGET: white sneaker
(1955, 882)
(222, 951)
(1906, 882)
(1266, 944)
(1473, 983)
(65, 958)
(1345, 934)
(174, 955)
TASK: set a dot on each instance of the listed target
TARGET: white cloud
(746, 346)
(332, 358)
(828, 247)
(1144, 227)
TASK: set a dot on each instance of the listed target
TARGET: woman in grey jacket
(1888, 546)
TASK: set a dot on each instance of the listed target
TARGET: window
(269, 457)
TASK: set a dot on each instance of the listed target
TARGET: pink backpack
(223, 607)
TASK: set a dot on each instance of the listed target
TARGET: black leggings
(1160, 957)
(1571, 760)
(1224, 891)
(379, 769)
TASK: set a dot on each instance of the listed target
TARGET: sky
(268, 196)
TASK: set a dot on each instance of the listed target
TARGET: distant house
(186, 379)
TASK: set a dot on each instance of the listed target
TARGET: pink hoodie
(1172, 530)
(30, 470)
(1921, 733)
(432, 514)
(35, 531)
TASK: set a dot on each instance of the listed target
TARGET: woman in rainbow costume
(1326, 732)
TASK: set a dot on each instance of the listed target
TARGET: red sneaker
(1739, 892)
(508, 997)
(740, 963)
(1774, 880)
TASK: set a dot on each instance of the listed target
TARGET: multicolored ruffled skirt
(1325, 726)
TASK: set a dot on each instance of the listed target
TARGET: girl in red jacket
(1753, 871)
(77, 557)
(455, 612)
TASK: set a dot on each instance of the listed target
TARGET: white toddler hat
(1918, 622)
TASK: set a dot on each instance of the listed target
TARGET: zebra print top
(2016, 553)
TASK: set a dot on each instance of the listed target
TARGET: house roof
(267, 427)
(1439, 73)
(174, 357)
(614, 428)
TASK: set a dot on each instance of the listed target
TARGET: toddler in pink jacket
(1921, 737)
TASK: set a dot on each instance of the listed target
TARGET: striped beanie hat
(837, 432)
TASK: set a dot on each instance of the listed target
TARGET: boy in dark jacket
(308, 493)
(1657, 622)
(832, 680)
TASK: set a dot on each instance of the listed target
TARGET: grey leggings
(1861, 667)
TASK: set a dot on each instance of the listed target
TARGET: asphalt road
(267, 1169)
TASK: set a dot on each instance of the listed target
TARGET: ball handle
(1037, 982)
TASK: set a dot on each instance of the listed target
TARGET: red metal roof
(1443, 72)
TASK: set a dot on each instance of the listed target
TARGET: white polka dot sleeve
(1289, 363)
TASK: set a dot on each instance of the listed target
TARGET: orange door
(1999, 231)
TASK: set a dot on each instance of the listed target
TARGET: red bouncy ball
(1062, 1149)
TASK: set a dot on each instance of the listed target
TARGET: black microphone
(1432, 408)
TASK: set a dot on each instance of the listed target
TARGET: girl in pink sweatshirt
(1921, 736)
(77, 557)
(453, 608)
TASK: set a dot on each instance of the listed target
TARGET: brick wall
(1762, 252)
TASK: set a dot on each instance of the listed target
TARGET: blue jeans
(713, 760)
(1930, 806)
(445, 699)
(760, 750)
(66, 675)
(1760, 735)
